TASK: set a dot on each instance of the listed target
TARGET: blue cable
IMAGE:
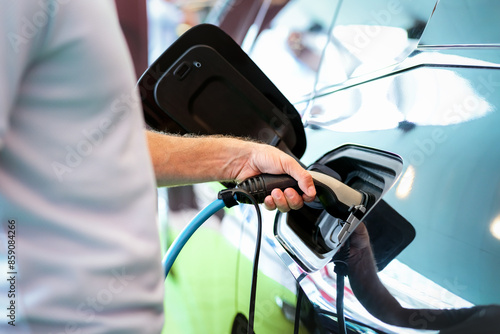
(226, 198)
(188, 231)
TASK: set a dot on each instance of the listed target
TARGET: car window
(288, 50)
(447, 41)
(316, 44)
(463, 23)
(367, 36)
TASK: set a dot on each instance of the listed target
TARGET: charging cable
(187, 232)
(226, 198)
(251, 191)
(334, 196)
(341, 269)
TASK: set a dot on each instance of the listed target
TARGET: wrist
(239, 155)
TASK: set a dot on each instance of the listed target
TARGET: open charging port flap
(311, 235)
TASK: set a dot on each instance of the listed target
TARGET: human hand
(268, 159)
(198, 159)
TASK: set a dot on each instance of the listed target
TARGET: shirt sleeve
(22, 23)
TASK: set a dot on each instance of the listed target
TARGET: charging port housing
(311, 236)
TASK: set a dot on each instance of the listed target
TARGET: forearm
(186, 160)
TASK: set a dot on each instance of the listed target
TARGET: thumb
(304, 180)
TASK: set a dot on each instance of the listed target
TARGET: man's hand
(186, 160)
(270, 160)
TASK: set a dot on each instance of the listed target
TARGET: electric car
(416, 80)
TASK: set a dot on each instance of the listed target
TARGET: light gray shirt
(75, 175)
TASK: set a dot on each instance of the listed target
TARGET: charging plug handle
(261, 186)
(332, 194)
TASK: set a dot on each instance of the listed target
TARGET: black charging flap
(390, 233)
(205, 84)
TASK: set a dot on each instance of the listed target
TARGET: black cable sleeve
(253, 289)
(227, 196)
(341, 269)
(340, 304)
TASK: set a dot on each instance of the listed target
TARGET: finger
(304, 180)
(307, 198)
(293, 199)
(269, 203)
(280, 200)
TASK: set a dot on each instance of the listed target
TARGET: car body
(417, 79)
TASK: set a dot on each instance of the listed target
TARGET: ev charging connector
(333, 195)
